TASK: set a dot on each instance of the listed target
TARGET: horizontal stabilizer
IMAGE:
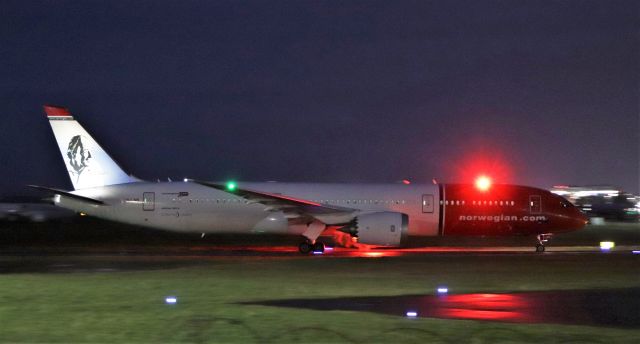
(68, 194)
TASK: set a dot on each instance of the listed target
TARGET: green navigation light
(231, 186)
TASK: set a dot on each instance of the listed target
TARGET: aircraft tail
(87, 163)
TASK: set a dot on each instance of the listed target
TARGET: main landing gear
(310, 244)
(307, 247)
(542, 239)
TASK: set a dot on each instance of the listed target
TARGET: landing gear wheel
(539, 248)
(318, 247)
(304, 247)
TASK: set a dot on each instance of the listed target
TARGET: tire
(318, 247)
(540, 248)
(304, 247)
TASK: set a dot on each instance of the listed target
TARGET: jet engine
(381, 228)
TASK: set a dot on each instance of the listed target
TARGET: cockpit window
(565, 203)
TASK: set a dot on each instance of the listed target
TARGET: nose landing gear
(542, 239)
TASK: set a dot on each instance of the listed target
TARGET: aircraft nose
(580, 218)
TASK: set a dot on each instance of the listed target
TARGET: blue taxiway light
(442, 290)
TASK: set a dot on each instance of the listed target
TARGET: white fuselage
(191, 207)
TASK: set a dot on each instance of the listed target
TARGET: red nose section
(582, 219)
(578, 219)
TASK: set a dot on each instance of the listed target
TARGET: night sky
(531, 92)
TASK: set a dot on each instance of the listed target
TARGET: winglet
(56, 111)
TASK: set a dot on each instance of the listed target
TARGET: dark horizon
(535, 93)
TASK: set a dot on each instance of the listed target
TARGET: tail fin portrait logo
(79, 156)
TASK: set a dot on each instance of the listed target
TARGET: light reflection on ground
(607, 307)
(378, 252)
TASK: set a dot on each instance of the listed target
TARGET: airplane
(373, 214)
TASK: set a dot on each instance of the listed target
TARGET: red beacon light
(483, 183)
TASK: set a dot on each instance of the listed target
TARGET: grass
(129, 306)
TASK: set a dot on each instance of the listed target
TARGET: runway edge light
(607, 245)
(171, 300)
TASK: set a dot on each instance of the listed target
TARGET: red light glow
(484, 161)
(503, 307)
(483, 183)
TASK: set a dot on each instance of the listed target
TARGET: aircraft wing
(280, 202)
(69, 194)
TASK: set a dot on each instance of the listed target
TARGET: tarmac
(69, 259)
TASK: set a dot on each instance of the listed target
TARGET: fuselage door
(427, 203)
(148, 201)
(535, 204)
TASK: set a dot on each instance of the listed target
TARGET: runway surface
(292, 251)
(112, 259)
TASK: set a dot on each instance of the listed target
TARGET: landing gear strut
(313, 231)
(542, 239)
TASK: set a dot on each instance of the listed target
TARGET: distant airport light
(607, 245)
(171, 300)
(328, 248)
(317, 252)
(406, 181)
(412, 314)
(186, 180)
(442, 290)
(483, 183)
(231, 186)
(635, 251)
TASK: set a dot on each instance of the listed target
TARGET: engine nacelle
(382, 228)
